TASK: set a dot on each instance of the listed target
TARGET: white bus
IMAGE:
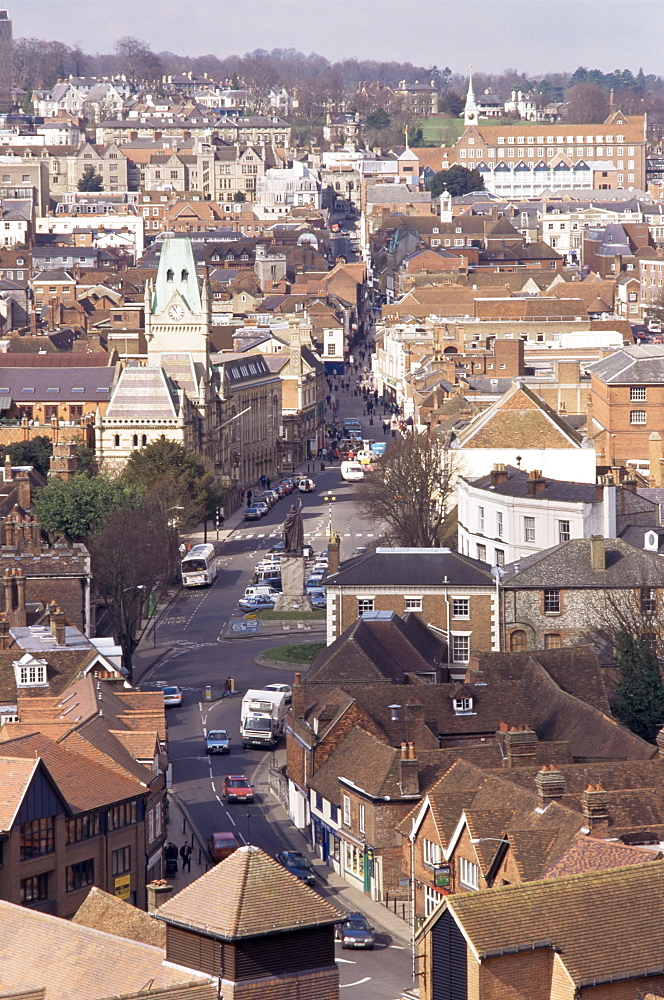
(199, 566)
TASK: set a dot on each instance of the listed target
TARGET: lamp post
(329, 500)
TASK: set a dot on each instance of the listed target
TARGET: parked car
(218, 741)
(253, 513)
(306, 485)
(262, 590)
(318, 602)
(297, 864)
(277, 548)
(262, 505)
(237, 788)
(355, 932)
(314, 580)
(222, 844)
(256, 603)
(272, 581)
(172, 696)
(361, 550)
(286, 688)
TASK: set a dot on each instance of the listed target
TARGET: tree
(72, 508)
(415, 135)
(409, 490)
(174, 478)
(132, 556)
(378, 119)
(457, 180)
(587, 103)
(35, 452)
(451, 104)
(138, 59)
(90, 180)
(639, 700)
(239, 197)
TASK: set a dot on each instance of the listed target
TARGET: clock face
(176, 311)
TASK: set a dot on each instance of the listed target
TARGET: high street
(195, 648)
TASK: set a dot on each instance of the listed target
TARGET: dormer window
(461, 705)
(30, 672)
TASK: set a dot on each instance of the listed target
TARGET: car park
(172, 696)
(256, 604)
(297, 864)
(355, 932)
(222, 844)
(253, 514)
(286, 688)
(217, 741)
(237, 788)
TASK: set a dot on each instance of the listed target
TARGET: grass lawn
(305, 652)
(290, 616)
(441, 131)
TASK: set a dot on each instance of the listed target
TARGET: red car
(222, 844)
(236, 788)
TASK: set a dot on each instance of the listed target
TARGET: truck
(262, 718)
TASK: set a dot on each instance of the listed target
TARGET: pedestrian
(185, 854)
(249, 497)
(171, 851)
(228, 688)
(267, 482)
(386, 427)
(241, 494)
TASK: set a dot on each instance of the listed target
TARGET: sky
(531, 36)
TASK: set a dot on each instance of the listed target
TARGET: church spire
(470, 110)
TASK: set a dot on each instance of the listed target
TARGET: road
(201, 652)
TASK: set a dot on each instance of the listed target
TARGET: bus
(199, 566)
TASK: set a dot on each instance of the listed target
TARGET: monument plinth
(292, 596)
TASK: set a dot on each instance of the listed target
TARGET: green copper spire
(176, 273)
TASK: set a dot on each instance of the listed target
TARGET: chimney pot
(597, 553)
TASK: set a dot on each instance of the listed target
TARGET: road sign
(245, 626)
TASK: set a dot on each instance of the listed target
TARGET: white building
(281, 190)
(511, 513)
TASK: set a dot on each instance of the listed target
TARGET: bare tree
(138, 59)
(587, 102)
(410, 490)
(131, 557)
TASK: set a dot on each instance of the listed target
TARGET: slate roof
(56, 955)
(85, 384)
(632, 366)
(412, 568)
(555, 489)
(247, 895)
(600, 923)
(143, 394)
(568, 566)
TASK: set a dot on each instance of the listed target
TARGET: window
(461, 607)
(529, 529)
(499, 524)
(122, 815)
(431, 900)
(518, 641)
(346, 807)
(552, 640)
(75, 412)
(80, 874)
(500, 557)
(83, 828)
(481, 553)
(563, 531)
(648, 601)
(319, 802)
(361, 818)
(413, 604)
(121, 861)
(637, 394)
(468, 874)
(551, 602)
(32, 674)
(334, 813)
(34, 889)
(354, 861)
(364, 604)
(460, 648)
(637, 416)
(462, 704)
(432, 853)
(37, 837)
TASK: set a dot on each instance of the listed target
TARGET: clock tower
(177, 307)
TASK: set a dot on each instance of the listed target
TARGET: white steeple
(470, 110)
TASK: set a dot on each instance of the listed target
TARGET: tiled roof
(104, 912)
(63, 666)
(58, 383)
(521, 418)
(145, 394)
(17, 773)
(600, 923)
(58, 954)
(587, 854)
(247, 895)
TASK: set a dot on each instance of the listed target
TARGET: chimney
(597, 553)
(5, 635)
(410, 771)
(535, 482)
(595, 805)
(297, 706)
(158, 892)
(8, 475)
(498, 474)
(609, 509)
(333, 553)
(521, 746)
(629, 482)
(24, 490)
(21, 614)
(550, 784)
(58, 625)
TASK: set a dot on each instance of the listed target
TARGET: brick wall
(524, 976)
(296, 753)
(322, 984)
(611, 407)
(57, 574)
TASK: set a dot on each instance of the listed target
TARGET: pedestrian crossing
(315, 534)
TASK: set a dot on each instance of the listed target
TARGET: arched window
(169, 274)
(117, 441)
(185, 274)
(518, 641)
(144, 440)
(135, 441)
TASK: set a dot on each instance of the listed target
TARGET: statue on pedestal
(293, 530)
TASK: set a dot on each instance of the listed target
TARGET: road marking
(231, 818)
(397, 947)
(346, 961)
(358, 983)
(241, 837)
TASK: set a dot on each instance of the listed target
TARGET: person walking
(228, 688)
(249, 498)
(185, 854)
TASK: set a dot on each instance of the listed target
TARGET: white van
(260, 590)
(352, 471)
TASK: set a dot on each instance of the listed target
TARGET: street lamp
(329, 500)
